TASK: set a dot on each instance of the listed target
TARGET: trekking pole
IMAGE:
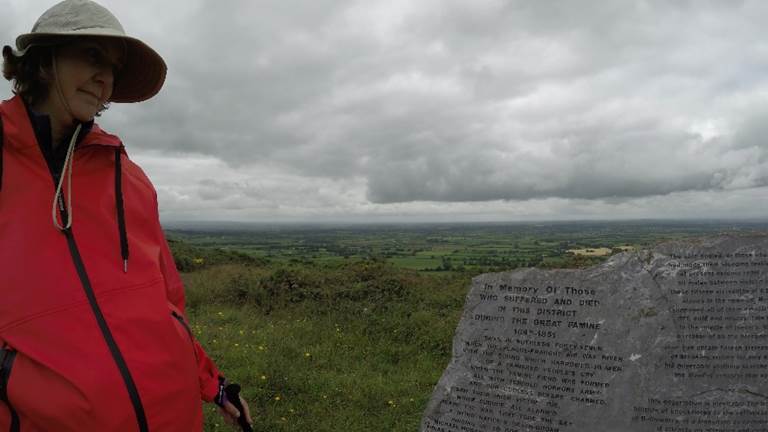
(233, 396)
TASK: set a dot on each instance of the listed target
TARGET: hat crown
(72, 16)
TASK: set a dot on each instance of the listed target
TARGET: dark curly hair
(32, 73)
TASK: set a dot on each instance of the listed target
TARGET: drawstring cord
(58, 198)
(67, 170)
(121, 210)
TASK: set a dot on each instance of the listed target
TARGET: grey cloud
(460, 101)
(753, 132)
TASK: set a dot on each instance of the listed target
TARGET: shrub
(190, 258)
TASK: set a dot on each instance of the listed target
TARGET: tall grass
(351, 347)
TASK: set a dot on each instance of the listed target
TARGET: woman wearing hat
(92, 324)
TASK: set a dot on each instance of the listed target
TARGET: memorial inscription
(674, 339)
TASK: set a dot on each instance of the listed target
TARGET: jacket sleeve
(207, 372)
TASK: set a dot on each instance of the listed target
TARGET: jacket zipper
(117, 356)
(7, 357)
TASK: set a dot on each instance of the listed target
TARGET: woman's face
(85, 72)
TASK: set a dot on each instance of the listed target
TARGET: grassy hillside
(355, 346)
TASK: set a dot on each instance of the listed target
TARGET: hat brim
(141, 77)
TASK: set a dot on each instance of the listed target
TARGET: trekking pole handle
(233, 396)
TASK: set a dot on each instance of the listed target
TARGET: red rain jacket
(88, 346)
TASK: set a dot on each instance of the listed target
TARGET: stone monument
(673, 339)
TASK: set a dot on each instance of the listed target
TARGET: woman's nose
(105, 72)
(106, 76)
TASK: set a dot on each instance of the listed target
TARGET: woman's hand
(231, 414)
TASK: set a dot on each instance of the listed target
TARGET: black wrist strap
(221, 395)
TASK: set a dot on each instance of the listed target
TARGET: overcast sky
(469, 110)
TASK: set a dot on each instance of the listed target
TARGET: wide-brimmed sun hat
(143, 73)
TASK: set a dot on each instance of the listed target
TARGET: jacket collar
(18, 128)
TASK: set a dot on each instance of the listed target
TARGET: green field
(472, 248)
(349, 328)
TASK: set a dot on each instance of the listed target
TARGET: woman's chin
(85, 110)
(84, 115)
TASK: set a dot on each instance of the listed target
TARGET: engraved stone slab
(674, 339)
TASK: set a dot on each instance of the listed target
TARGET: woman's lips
(93, 95)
